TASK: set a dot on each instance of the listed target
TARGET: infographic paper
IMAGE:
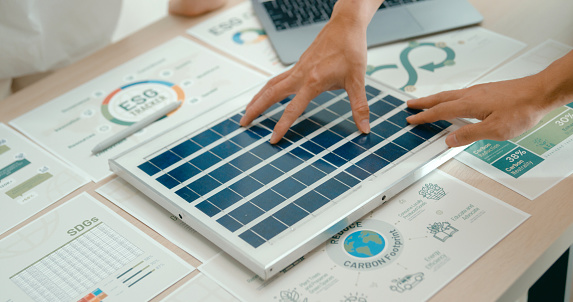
(160, 220)
(30, 179)
(179, 70)
(441, 62)
(406, 250)
(200, 288)
(238, 32)
(538, 159)
(83, 251)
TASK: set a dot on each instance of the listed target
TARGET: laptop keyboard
(294, 13)
(257, 190)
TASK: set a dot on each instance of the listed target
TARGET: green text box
(517, 162)
(13, 168)
(28, 185)
(550, 134)
(4, 149)
(488, 150)
(543, 121)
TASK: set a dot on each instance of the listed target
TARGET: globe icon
(364, 244)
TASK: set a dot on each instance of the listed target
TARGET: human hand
(506, 109)
(335, 60)
(192, 8)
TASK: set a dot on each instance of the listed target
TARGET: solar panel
(267, 204)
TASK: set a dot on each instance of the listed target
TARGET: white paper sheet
(441, 62)
(73, 124)
(537, 160)
(160, 220)
(83, 249)
(200, 288)
(406, 250)
(238, 32)
(30, 179)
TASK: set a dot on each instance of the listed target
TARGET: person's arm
(506, 109)
(336, 59)
(192, 8)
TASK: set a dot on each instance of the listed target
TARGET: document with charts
(159, 219)
(406, 250)
(83, 251)
(441, 62)
(540, 158)
(238, 32)
(72, 124)
(30, 178)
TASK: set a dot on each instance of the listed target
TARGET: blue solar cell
(204, 185)
(393, 100)
(186, 148)
(207, 208)
(245, 161)
(290, 214)
(246, 186)
(148, 168)
(311, 106)
(308, 175)
(245, 138)
(371, 90)
(286, 100)
(225, 173)
(409, 141)
(442, 124)
(265, 150)
(312, 147)
(184, 172)
(385, 129)
(400, 119)
(426, 131)
(367, 141)
(229, 223)
(288, 187)
(349, 151)
(292, 136)
(326, 139)
(412, 111)
(332, 188)
(324, 166)
(267, 200)
(323, 98)
(341, 107)
(187, 194)
(301, 153)
(165, 159)
(269, 228)
(225, 149)
(224, 198)
(347, 179)
(311, 201)
(286, 162)
(337, 91)
(323, 117)
(357, 172)
(266, 174)
(381, 108)
(237, 117)
(260, 131)
(335, 159)
(246, 213)
(225, 127)
(344, 128)
(283, 143)
(372, 163)
(391, 152)
(206, 137)
(273, 107)
(269, 123)
(251, 238)
(277, 116)
(167, 181)
(305, 127)
(205, 160)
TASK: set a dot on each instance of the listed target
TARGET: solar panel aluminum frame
(279, 252)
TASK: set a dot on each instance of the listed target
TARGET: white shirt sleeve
(40, 35)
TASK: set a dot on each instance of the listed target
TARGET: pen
(134, 127)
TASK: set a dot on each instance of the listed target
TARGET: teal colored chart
(409, 67)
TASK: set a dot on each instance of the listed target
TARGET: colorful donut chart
(238, 36)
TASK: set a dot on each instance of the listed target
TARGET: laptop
(269, 205)
(292, 25)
